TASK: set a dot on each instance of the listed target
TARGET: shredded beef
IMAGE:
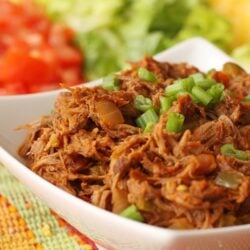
(170, 177)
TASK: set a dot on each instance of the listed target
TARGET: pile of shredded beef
(170, 177)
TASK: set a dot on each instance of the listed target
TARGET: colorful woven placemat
(26, 223)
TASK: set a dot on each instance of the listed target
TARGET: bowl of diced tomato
(35, 54)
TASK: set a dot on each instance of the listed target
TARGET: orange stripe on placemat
(73, 232)
(14, 232)
(26, 223)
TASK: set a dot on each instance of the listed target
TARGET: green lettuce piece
(85, 15)
(204, 22)
(153, 26)
(103, 53)
(112, 32)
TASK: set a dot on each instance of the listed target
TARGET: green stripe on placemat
(38, 217)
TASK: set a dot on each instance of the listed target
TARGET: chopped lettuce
(85, 15)
(153, 24)
(204, 22)
(101, 49)
(112, 32)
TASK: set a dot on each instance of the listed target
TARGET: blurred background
(107, 34)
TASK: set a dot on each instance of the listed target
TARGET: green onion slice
(206, 83)
(147, 117)
(229, 150)
(216, 91)
(110, 83)
(241, 155)
(182, 93)
(203, 97)
(149, 127)
(180, 85)
(173, 89)
(175, 122)
(194, 99)
(186, 83)
(147, 75)
(197, 77)
(142, 103)
(166, 103)
(132, 213)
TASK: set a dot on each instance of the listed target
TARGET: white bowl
(104, 227)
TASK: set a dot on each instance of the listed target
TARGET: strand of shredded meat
(107, 160)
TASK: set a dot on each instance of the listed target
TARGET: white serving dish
(104, 227)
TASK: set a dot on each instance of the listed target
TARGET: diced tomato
(59, 35)
(25, 66)
(13, 89)
(68, 56)
(71, 76)
(35, 54)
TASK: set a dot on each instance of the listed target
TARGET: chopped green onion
(146, 75)
(175, 122)
(201, 95)
(166, 103)
(132, 213)
(147, 117)
(110, 83)
(197, 77)
(246, 99)
(180, 85)
(241, 155)
(194, 99)
(186, 83)
(206, 83)
(216, 91)
(173, 89)
(142, 103)
(229, 150)
(182, 93)
(149, 127)
(229, 178)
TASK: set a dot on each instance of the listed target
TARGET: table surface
(26, 223)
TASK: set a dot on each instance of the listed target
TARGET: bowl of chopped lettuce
(114, 32)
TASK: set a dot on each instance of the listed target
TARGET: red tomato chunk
(35, 54)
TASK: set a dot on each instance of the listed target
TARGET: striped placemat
(26, 223)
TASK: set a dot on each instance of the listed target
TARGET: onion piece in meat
(109, 113)
(233, 69)
(229, 179)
